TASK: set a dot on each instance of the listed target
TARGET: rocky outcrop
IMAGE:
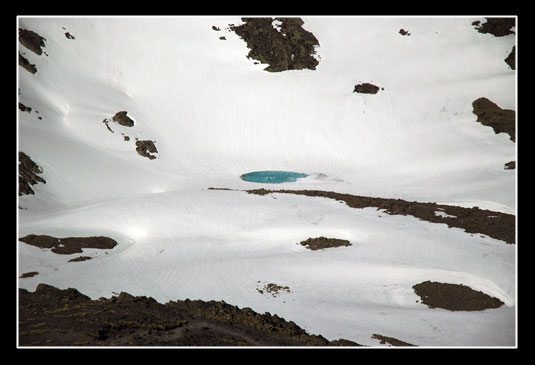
(498, 27)
(491, 115)
(31, 40)
(145, 148)
(285, 47)
(511, 165)
(25, 64)
(454, 297)
(68, 245)
(53, 317)
(28, 174)
(123, 119)
(366, 88)
(498, 225)
(511, 59)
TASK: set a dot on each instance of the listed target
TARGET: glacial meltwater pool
(272, 177)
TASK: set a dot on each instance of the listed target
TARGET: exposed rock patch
(69, 36)
(511, 59)
(498, 225)
(123, 119)
(54, 317)
(498, 27)
(68, 245)
(28, 274)
(320, 243)
(274, 289)
(454, 297)
(24, 108)
(28, 174)
(510, 165)
(366, 88)
(404, 32)
(25, 64)
(287, 47)
(145, 148)
(31, 40)
(80, 258)
(491, 115)
(391, 340)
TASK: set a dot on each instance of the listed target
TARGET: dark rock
(80, 258)
(491, 115)
(145, 148)
(28, 171)
(25, 64)
(454, 297)
(510, 165)
(404, 32)
(366, 88)
(31, 40)
(498, 225)
(123, 119)
(511, 59)
(319, 243)
(391, 340)
(69, 36)
(28, 274)
(68, 245)
(24, 108)
(54, 317)
(498, 27)
(290, 49)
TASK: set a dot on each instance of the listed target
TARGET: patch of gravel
(454, 297)
(68, 245)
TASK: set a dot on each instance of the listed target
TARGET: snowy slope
(215, 115)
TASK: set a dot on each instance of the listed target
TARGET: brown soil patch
(28, 171)
(511, 59)
(319, 243)
(68, 245)
(491, 115)
(454, 297)
(290, 49)
(391, 340)
(25, 64)
(54, 317)
(366, 88)
(497, 225)
(145, 148)
(31, 40)
(498, 27)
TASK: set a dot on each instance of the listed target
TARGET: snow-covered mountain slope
(214, 114)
